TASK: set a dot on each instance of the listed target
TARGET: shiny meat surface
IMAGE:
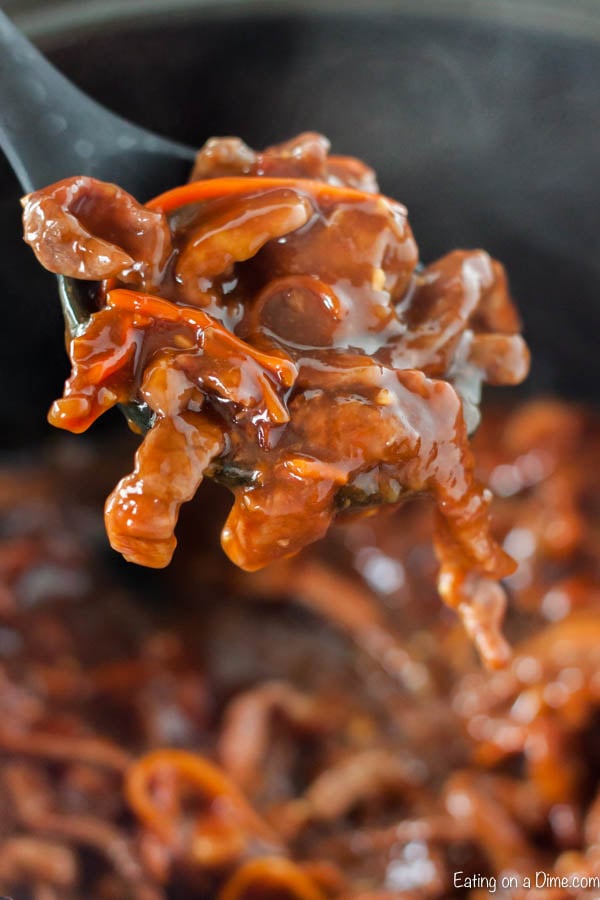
(272, 316)
(312, 731)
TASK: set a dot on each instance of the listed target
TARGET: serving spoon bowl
(49, 130)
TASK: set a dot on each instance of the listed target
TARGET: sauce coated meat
(272, 316)
(321, 734)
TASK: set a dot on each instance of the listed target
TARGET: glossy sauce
(296, 351)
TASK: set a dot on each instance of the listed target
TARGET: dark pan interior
(490, 134)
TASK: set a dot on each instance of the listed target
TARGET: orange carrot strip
(215, 188)
(195, 770)
(317, 469)
(272, 872)
(149, 305)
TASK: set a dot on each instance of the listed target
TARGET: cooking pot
(482, 117)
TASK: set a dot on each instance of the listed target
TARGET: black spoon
(49, 130)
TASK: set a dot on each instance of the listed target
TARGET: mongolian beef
(315, 730)
(272, 317)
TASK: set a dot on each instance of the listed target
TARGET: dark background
(486, 126)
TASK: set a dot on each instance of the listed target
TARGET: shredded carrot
(274, 872)
(155, 307)
(215, 188)
(197, 771)
(304, 467)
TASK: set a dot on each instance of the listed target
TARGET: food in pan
(312, 731)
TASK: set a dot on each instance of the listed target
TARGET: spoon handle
(49, 129)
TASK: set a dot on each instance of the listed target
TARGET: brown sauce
(273, 317)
